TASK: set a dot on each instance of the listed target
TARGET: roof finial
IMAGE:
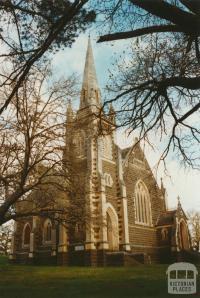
(179, 202)
(90, 94)
(112, 113)
(111, 108)
(136, 140)
(70, 113)
(162, 185)
(161, 182)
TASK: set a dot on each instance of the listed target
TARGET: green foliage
(35, 20)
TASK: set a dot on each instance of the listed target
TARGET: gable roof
(166, 218)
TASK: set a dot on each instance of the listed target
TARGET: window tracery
(108, 180)
(26, 234)
(164, 234)
(142, 204)
(47, 231)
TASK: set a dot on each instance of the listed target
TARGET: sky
(178, 181)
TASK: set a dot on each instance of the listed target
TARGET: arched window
(183, 235)
(142, 204)
(26, 234)
(47, 231)
(112, 228)
(108, 180)
(164, 234)
(78, 229)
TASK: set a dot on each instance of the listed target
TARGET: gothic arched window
(47, 231)
(108, 180)
(26, 234)
(164, 234)
(142, 204)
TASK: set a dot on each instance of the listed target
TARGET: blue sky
(178, 181)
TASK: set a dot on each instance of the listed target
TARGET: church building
(126, 218)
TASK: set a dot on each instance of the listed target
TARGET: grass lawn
(60, 282)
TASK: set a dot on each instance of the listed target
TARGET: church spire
(70, 113)
(90, 93)
(179, 203)
(112, 114)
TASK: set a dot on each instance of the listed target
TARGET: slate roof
(166, 218)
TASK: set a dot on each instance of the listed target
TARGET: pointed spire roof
(179, 202)
(162, 185)
(89, 76)
(112, 113)
(90, 94)
(70, 113)
(111, 108)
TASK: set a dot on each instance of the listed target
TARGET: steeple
(179, 203)
(70, 113)
(162, 186)
(112, 114)
(90, 93)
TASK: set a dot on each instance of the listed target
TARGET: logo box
(182, 278)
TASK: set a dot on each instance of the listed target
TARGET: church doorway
(112, 230)
(184, 237)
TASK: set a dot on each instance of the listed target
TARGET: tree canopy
(32, 29)
(32, 137)
(157, 85)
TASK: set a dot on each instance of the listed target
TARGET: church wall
(142, 238)
(79, 175)
(19, 234)
(111, 192)
(167, 240)
(38, 233)
(132, 175)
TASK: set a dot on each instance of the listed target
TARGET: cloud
(71, 59)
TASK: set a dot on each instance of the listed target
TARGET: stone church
(127, 217)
